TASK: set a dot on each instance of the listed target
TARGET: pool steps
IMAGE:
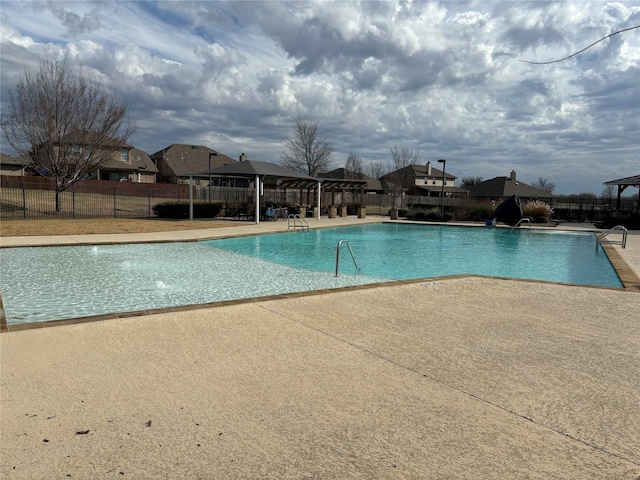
(617, 228)
(295, 221)
(338, 255)
(522, 220)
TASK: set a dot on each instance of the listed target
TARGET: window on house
(124, 155)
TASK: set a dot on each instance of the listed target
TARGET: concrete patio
(464, 377)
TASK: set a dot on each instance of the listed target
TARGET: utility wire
(577, 53)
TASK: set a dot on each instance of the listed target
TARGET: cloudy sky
(446, 78)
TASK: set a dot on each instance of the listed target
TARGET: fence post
(24, 200)
(115, 215)
(149, 202)
(73, 201)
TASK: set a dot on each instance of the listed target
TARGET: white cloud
(442, 77)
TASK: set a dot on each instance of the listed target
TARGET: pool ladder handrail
(338, 255)
(523, 219)
(298, 222)
(617, 228)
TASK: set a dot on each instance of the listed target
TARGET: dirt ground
(17, 228)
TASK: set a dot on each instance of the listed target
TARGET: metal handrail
(298, 222)
(523, 219)
(338, 255)
(622, 242)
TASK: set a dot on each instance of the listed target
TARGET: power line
(577, 53)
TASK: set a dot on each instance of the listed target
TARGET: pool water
(408, 251)
(53, 283)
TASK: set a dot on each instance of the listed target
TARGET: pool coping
(628, 277)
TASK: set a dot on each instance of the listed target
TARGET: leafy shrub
(180, 210)
(474, 211)
(242, 208)
(428, 214)
(538, 210)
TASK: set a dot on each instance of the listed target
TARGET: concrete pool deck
(465, 377)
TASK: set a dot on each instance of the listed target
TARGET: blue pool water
(409, 251)
(40, 284)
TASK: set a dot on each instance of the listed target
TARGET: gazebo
(259, 172)
(622, 184)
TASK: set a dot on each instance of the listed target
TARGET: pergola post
(318, 216)
(190, 197)
(257, 198)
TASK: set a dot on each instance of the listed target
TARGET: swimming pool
(40, 284)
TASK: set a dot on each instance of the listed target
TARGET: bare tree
(608, 192)
(544, 185)
(353, 166)
(469, 181)
(306, 149)
(402, 177)
(375, 169)
(65, 122)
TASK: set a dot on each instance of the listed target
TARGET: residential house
(424, 180)
(129, 165)
(372, 185)
(177, 162)
(116, 161)
(503, 187)
(12, 166)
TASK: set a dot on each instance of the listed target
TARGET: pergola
(328, 184)
(622, 184)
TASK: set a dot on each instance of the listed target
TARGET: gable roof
(180, 160)
(373, 184)
(9, 160)
(421, 171)
(506, 187)
(139, 161)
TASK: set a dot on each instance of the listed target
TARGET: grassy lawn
(15, 228)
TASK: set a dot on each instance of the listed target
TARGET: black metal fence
(35, 198)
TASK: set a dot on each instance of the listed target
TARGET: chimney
(512, 176)
(428, 169)
(243, 157)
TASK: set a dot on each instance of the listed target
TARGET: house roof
(506, 187)
(84, 137)
(9, 160)
(372, 184)
(421, 171)
(140, 162)
(633, 181)
(181, 160)
(413, 172)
